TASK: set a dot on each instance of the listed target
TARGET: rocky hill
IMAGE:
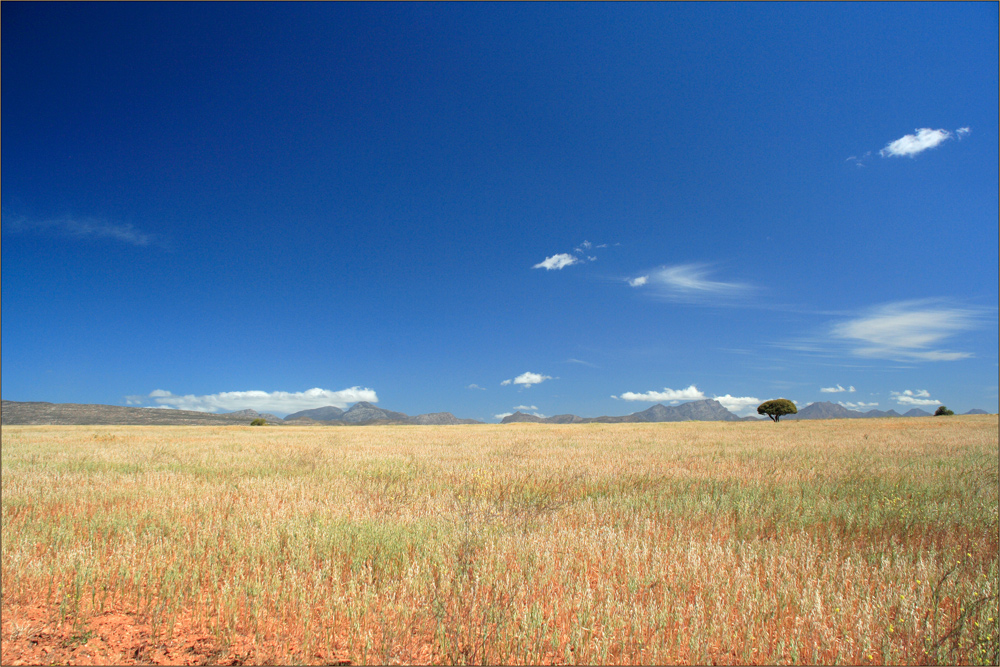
(329, 413)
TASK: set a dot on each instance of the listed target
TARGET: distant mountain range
(712, 410)
(708, 410)
(827, 410)
(16, 412)
(366, 413)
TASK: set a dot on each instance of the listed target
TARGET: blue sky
(477, 208)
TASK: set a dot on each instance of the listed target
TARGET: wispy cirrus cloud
(908, 330)
(527, 379)
(692, 393)
(280, 402)
(687, 282)
(918, 397)
(85, 228)
(837, 389)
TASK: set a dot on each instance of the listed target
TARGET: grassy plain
(862, 541)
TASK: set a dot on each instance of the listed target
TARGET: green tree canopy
(259, 422)
(776, 408)
(943, 411)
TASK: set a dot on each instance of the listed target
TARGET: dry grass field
(851, 542)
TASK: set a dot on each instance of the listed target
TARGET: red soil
(119, 637)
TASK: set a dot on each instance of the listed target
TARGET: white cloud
(502, 415)
(919, 397)
(963, 132)
(911, 144)
(909, 330)
(85, 228)
(686, 282)
(690, 394)
(739, 405)
(280, 402)
(525, 407)
(528, 379)
(837, 389)
(559, 261)
(475, 386)
(857, 406)
(582, 363)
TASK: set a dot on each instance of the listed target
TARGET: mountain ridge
(364, 413)
(86, 414)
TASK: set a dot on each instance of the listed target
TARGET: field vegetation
(850, 542)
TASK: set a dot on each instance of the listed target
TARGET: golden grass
(863, 541)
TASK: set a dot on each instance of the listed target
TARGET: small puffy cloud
(837, 389)
(525, 407)
(280, 402)
(528, 379)
(739, 405)
(559, 261)
(692, 393)
(911, 144)
(857, 406)
(908, 330)
(475, 386)
(502, 415)
(963, 132)
(918, 397)
(687, 282)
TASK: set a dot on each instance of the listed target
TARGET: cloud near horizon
(279, 402)
(918, 397)
(857, 406)
(692, 393)
(527, 379)
(741, 406)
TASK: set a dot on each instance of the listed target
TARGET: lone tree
(776, 408)
(259, 422)
(943, 412)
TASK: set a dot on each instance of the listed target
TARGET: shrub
(259, 422)
(943, 412)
